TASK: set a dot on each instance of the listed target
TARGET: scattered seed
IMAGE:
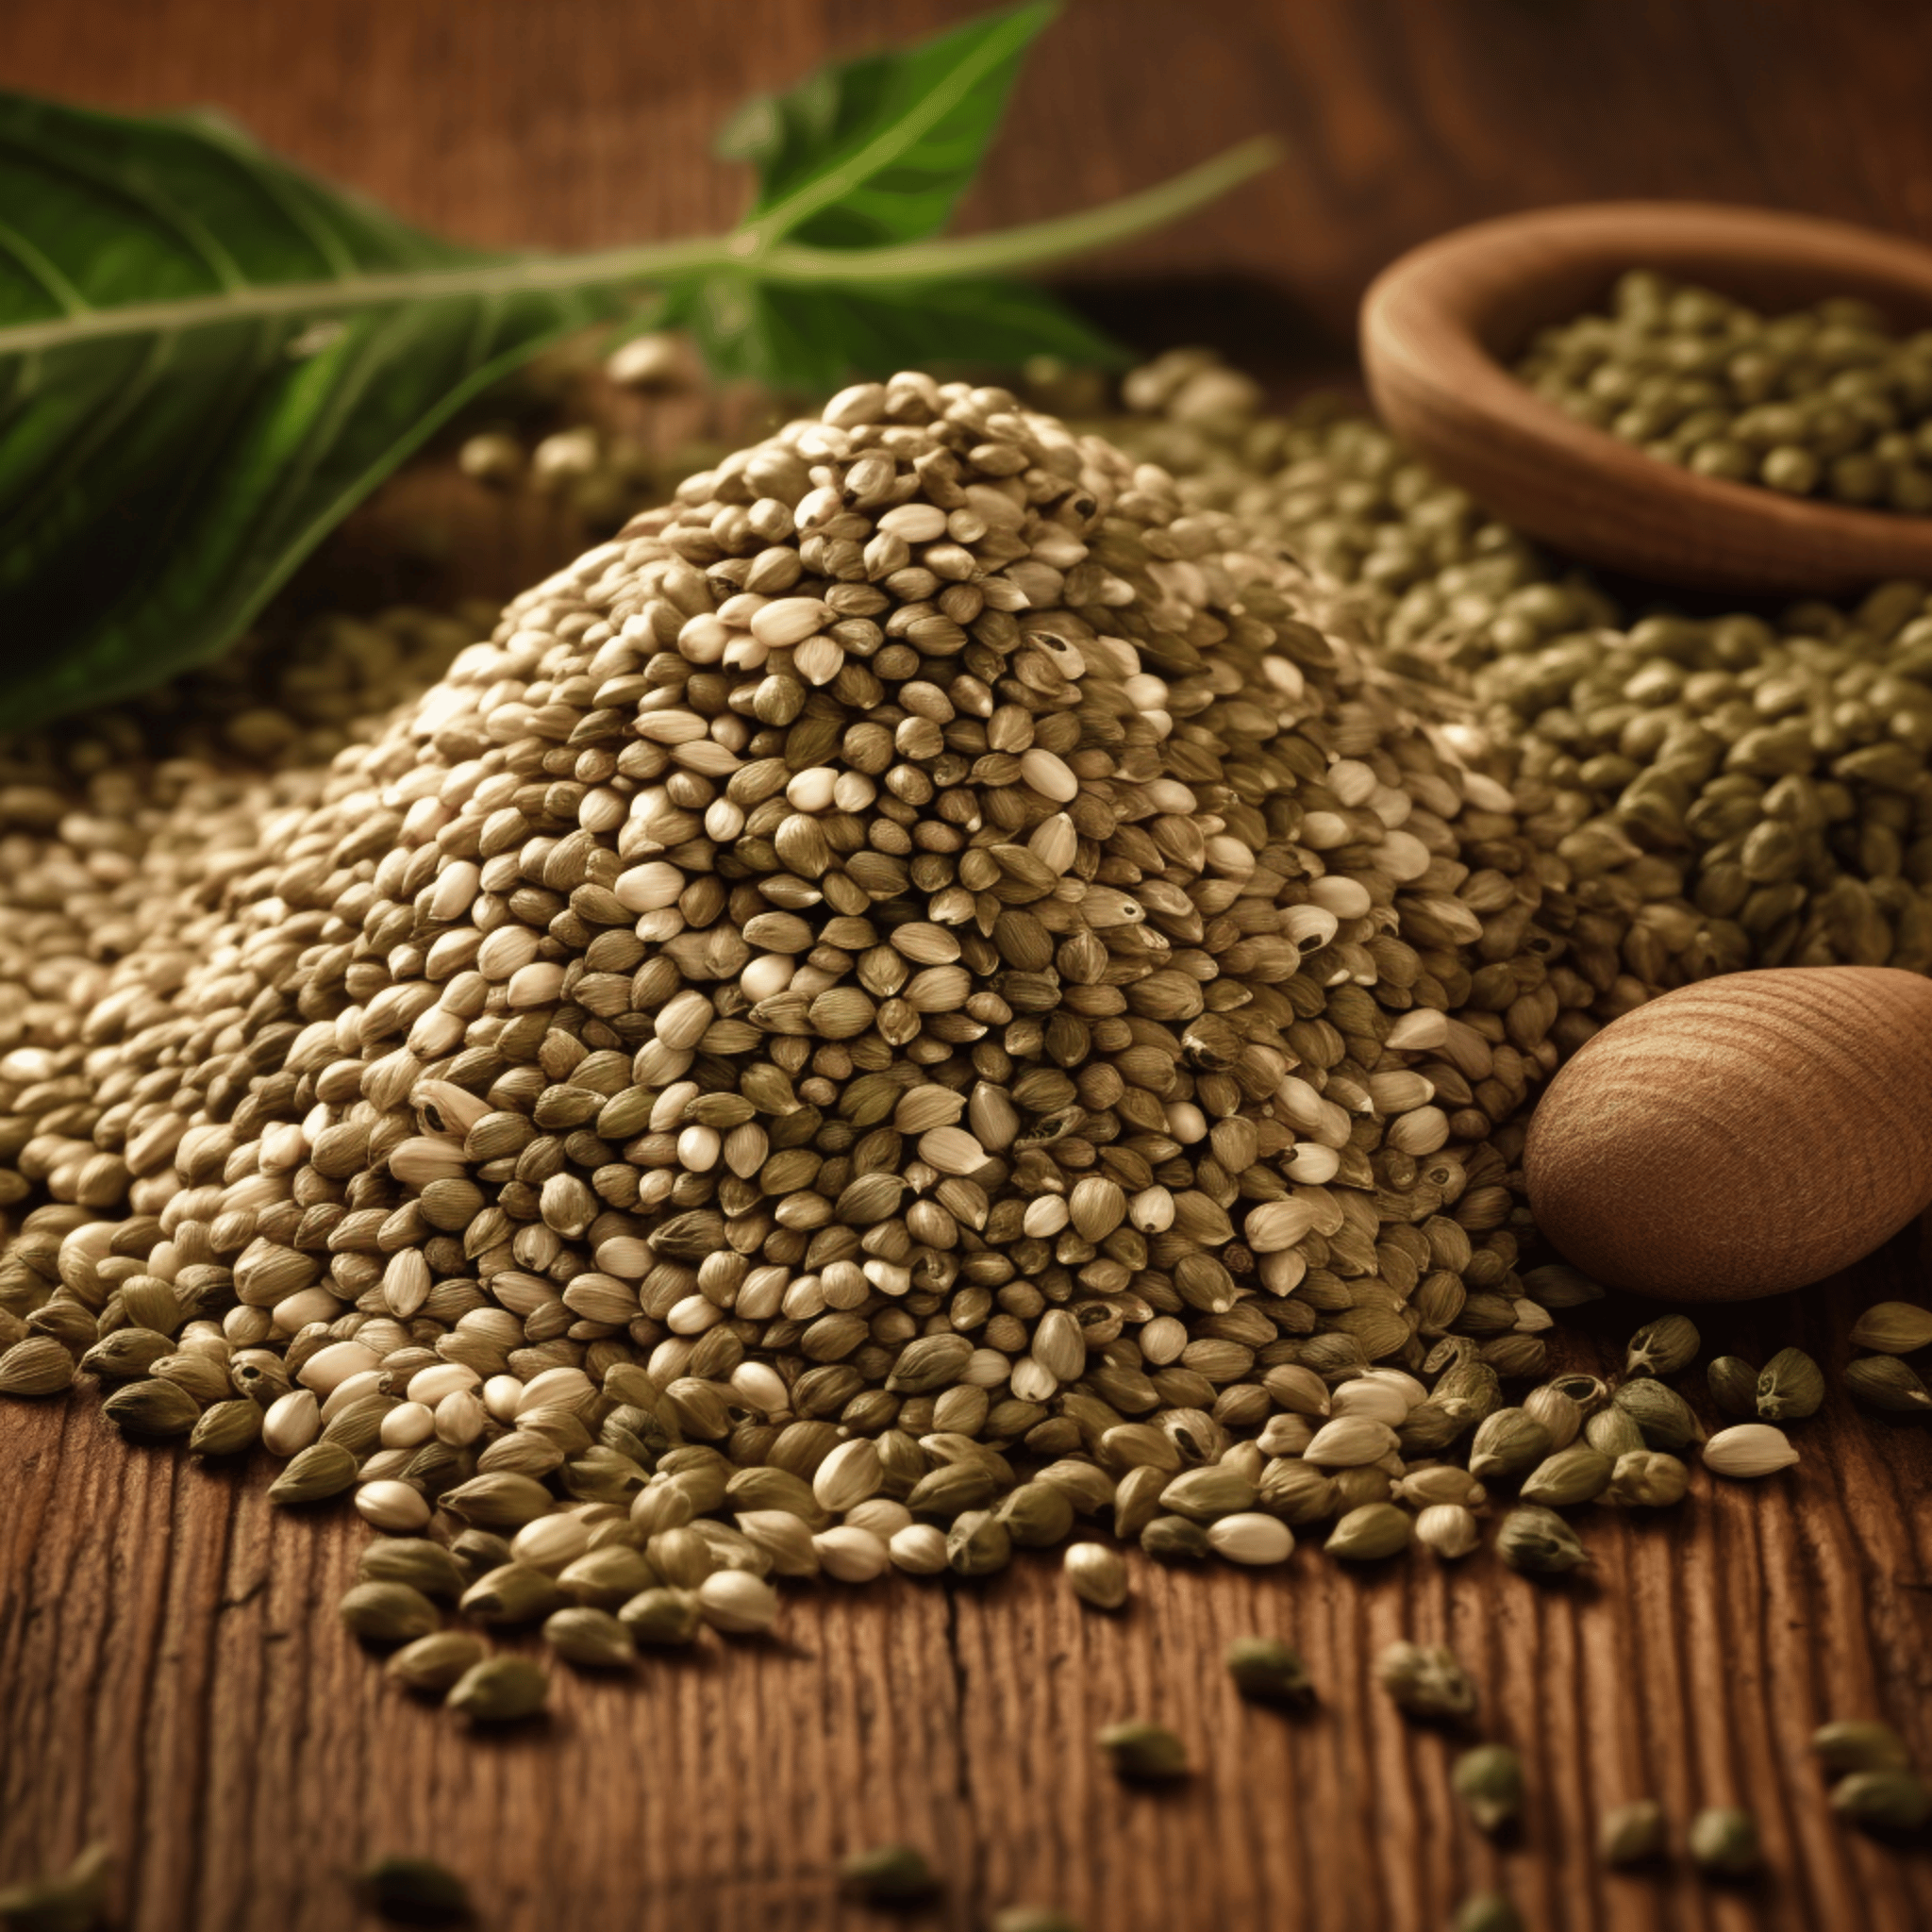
(1883, 1801)
(389, 1613)
(1428, 1682)
(1748, 1450)
(1097, 1575)
(436, 1662)
(1489, 1780)
(889, 1875)
(1723, 1843)
(1267, 1671)
(414, 1892)
(1540, 1542)
(1143, 1753)
(591, 1638)
(74, 1900)
(499, 1690)
(1631, 1834)
(1848, 1744)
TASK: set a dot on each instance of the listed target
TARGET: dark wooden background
(171, 1675)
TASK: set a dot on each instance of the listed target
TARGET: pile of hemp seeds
(942, 993)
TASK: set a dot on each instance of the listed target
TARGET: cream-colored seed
(852, 1555)
(919, 1549)
(737, 1602)
(848, 1476)
(1251, 1538)
(1447, 1528)
(1097, 1574)
(291, 1422)
(1749, 1450)
(394, 1507)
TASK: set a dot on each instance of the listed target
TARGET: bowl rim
(1434, 323)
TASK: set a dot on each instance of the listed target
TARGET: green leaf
(815, 336)
(208, 358)
(157, 485)
(879, 149)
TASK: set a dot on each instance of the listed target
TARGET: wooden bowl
(1439, 326)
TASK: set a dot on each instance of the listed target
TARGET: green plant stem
(1002, 252)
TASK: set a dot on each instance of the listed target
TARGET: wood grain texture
(176, 1680)
(1441, 327)
(1741, 1136)
(583, 123)
(171, 1675)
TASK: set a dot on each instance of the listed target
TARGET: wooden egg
(1740, 1137)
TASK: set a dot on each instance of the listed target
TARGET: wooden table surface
(171, 1674)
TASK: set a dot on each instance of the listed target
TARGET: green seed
(153, 1410)
(389, 1613)
(1507, 1444)
(436, 1662)
(887, 1874)
(74, 1900)
(978, 1544)
(500, 1501)
(1428, 1682)
(1571, 1476)
(1489, 1911)
(1723, 1843)
(227, 1429)
(1662, 1414)
(1489, 1780)
(127, 1352)
(1037, 1515)
(591, 1638)
(608, 1578)
(659, 1617)
(40, 1365)
(1174, 1539)
(1882, 1800)
(1371, 1532)
(1886, 1382)
(1032, 1919)
(1893, 1328)
(1647, 1480)
(1540, 1542)
(415, 1560)
(1268, 1671)
(516, 1594)
(1733, 1386)
(313, 1474)
(480, 1551)
(416, 1892)
(1792, 1386)
(1859, 1745)
(1632, 1833)
(500, 1690)
(1203, 1495)
(1613, 1432)
(1662, 1347)
(1143, 1753)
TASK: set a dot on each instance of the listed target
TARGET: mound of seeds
(915, 966)
(1723, 793)
(1825, 401)
(937, 995)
